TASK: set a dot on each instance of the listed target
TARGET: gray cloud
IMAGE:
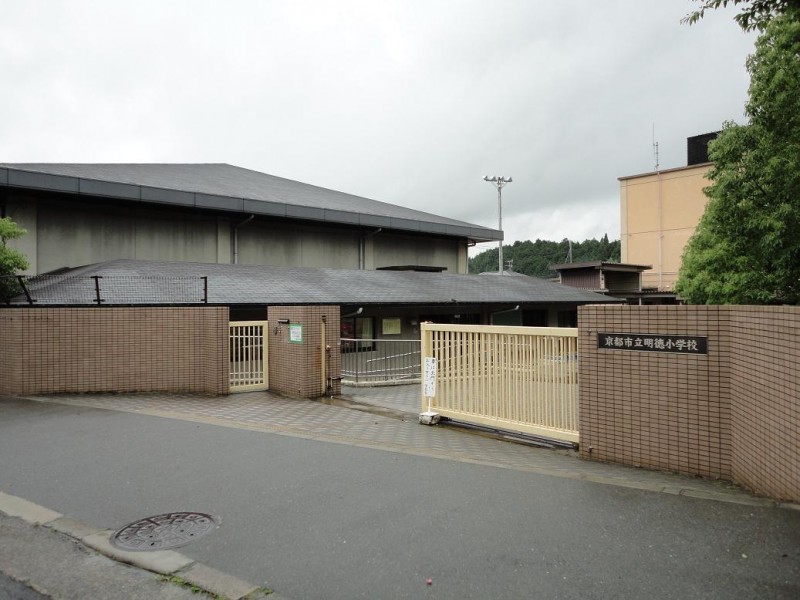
(407, 102)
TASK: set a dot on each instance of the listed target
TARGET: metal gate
(368, 362)
(515, 378)
(249, 358)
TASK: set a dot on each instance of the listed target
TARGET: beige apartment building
(659, 212)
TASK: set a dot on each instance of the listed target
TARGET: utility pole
(499, 183)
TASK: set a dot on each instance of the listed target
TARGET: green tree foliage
(755, 14)
(746, 248)
(11, 261)
(535, 258)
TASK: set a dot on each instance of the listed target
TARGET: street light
(499, 183)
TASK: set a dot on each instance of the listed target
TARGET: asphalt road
(11, 589)
(313, 519)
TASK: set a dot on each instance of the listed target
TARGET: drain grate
(164, 531)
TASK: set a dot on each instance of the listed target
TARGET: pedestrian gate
(249, 359)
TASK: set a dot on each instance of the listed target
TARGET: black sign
(651, 342)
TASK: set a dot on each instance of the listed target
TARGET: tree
(755, 15)
(535, 258)
(11, 261)
(746, 248)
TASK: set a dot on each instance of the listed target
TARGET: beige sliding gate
(248, 356)
(521, 379)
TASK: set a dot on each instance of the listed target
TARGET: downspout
(660, 237)
(236, 238)
(640, 288)
(324, 349)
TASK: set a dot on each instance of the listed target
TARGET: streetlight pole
(499, 183)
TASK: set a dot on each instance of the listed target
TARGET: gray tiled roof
(230, 188)
(600, 264)
(145, 282)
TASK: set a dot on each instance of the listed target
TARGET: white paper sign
(296, 334)
(429, 380)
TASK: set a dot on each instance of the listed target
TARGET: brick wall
(122, 349)
(731, 413)
(765, 405)
(11, 355)
(295, 369)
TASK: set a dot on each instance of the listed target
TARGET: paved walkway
(398, 432)
(400, 398)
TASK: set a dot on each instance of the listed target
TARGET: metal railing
(101, 290)
(516, 378)
(248, 356)
(381, 362)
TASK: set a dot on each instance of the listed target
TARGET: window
(568, 318)
(534, 318)
(391, 327)
(458, 319)
(358, 328)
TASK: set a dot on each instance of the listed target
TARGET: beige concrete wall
(463, 259)
(279, 244)
(658, 214)
(76, 234)
(24, 214)
(395, 249)
(131, 349)
(733, 413)
(224, 244)
(72, 233)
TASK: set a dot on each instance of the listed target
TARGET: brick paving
(402, 398)
(400, 432)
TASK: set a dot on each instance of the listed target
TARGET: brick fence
(732, 412)
(119, 349)
(170, 349)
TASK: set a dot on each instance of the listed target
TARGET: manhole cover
(164, 531)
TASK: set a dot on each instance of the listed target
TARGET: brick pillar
(296, 355)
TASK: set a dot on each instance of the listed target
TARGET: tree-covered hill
(534, 258)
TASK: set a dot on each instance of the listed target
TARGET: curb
(164, 562)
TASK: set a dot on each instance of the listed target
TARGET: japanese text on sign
(296, 334)
(429, 380)
(648, 342)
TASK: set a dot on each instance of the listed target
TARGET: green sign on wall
(296, 334)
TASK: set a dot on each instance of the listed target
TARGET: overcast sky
(410, 102)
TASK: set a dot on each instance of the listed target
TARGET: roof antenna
(655, 146)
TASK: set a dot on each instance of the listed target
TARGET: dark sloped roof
(601, 265)
(147, 282)
(226, 187)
